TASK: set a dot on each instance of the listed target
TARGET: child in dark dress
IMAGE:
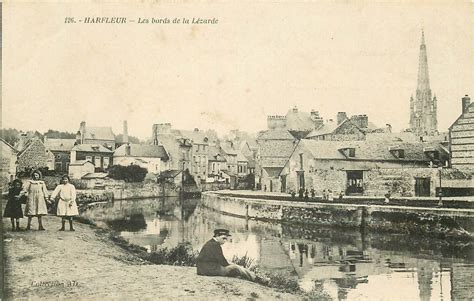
(13, 208)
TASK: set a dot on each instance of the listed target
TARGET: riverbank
(86, 264)
(416, 216)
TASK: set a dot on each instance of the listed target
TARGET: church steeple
(423, 77)
(423, 109)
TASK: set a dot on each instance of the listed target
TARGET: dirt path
(82, 265)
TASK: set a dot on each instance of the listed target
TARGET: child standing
(37, 197)
(67, 207)
(13, 208)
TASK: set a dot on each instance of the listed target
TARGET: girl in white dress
(67, 207)
(37, 196)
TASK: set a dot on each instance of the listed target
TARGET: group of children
(35, 197)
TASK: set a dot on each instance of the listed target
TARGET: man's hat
(219, 232)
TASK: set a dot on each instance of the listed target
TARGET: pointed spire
(423, 78)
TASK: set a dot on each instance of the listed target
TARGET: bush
(131, 173)
(182, 255)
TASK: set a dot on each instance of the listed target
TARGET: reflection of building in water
(425, 280)
(462, 281)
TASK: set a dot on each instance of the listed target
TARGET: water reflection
(347, 264)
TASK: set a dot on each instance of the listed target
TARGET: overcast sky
(259, 60)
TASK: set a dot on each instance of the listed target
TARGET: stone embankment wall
(440, 222)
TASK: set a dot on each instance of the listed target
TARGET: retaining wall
(439, 222)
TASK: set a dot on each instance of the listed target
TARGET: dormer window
(397, 152)
(348, 152)
(352, 152)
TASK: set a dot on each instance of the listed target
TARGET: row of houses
(95, 149)
(351, 156)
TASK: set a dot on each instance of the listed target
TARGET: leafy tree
(54, 134)
(131, 173)
(10, 135)
(131, 139)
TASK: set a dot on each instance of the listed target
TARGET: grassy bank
(184, 255)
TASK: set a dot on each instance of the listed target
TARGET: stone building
(32, 154)
(96, 135)
(61, 149)
(216, 164)
(8, 164)
(461, 137)
(97, 154)
(423, 108)
(152, 157)
(274, 149)
(364, 168)
(199, 152)
(179, 148)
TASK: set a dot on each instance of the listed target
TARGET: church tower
(423, 109)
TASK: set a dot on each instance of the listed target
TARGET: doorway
(355, 182)
(422, 186)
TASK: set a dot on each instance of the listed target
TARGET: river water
(349, 265)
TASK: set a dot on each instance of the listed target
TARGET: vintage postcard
(237, 150)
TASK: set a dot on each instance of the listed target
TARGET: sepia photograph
(237, 150)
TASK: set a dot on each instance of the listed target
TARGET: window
(97, 161)
(89, 158)
(106, 162)
(301, 161)
(352, 152)
(401, 153)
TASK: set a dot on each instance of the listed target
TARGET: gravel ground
(84, 265)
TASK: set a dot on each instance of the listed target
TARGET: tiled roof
(241, 157)
(227, 149)
(198, 137)
(278, 134)
(274, 162)
(277, 148)
(59, 144)
(327, 128)
(101, 133)
(214, 154)
(91, 148)
(273, 171)
(143, 150)
(8, 144)
(370, 151)
(298, 120)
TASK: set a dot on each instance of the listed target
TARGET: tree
(53, 134)
(10, 135)
(131, 173)
(131, 139)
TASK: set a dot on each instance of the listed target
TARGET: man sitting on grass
(211, 260)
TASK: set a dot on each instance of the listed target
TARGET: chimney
(466, 102)
(125, 132)
(22, 141)
(341, 116)
(82, 129)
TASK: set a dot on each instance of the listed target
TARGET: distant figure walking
(211, 260)
(313, 194)
(13, 208)
(37, 195)
(306, 194)
(301, 193)
(67, 207)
